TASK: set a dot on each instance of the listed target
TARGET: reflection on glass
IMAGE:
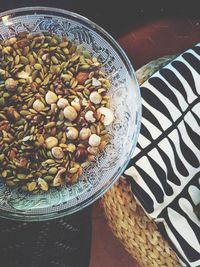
(6, 20)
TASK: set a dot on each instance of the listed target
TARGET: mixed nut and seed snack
(54, 110)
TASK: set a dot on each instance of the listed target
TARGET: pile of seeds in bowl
(54, 111)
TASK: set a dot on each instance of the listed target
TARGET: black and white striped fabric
(165, 166)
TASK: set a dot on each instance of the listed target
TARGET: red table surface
(159, 38)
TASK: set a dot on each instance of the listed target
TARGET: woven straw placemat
(127, 220)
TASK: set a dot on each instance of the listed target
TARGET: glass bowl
(125, 101)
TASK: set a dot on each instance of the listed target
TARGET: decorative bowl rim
(22, 215)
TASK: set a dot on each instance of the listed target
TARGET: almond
(81, 77)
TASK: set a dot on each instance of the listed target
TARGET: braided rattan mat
(129, 223)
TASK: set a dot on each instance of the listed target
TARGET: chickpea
(51, 97)
(89, 116)
(11, 84)
(62, 103)
(76, 104)
(51, 142)
(95, 98)
(70, 113)
(109, 117)
(72, 133)
(57, 152)
(38, 105)
(85, 133)
(94, 140)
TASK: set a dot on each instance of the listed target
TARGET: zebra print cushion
(166, 163)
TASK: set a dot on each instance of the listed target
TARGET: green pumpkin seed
(53, 42)
(6, 95)
(48, 178)
(20, 123)
(2, 156)
(86, 54)
(21, 176)
(37, 66)
(46, 62)
(24, 112)
(50, 125)
(24, 188)
(46, 80)
(4, 174)
(10, 183)
(38, 80)
(2, 117)
(2, 102)
(85, 67)
(53, 170)
(73, 170)
(24, 60)
(49, 161)
(54, 60)
(26, 138)
(17, 59)
(31, 186)
(43, 184)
